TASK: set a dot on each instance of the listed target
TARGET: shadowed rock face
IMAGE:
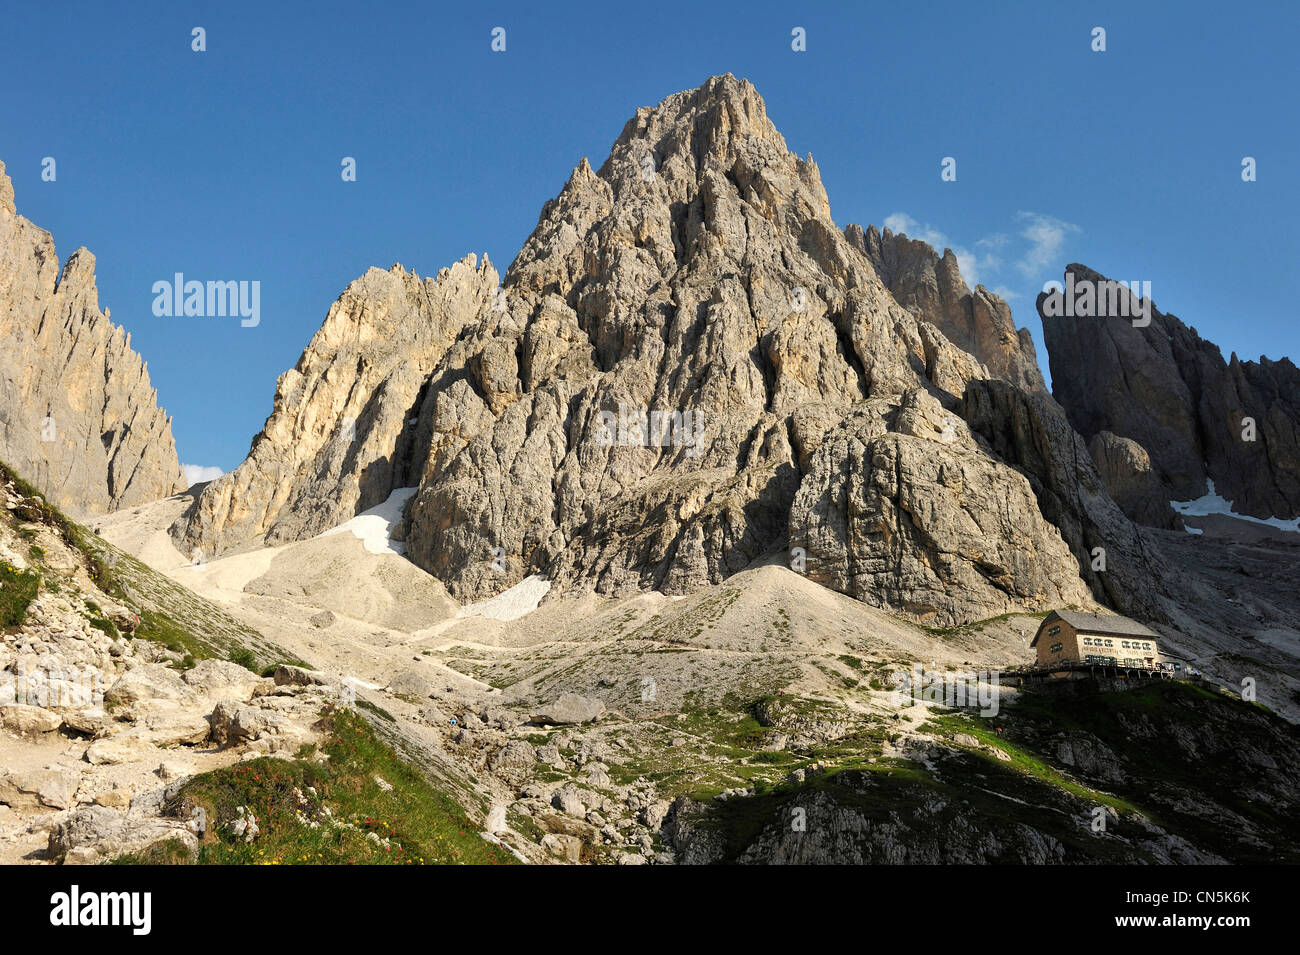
(1030, 431)
(1170, 391)
(697, 279)
(1125, 468)
(78, 417)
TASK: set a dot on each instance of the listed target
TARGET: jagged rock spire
(78, 415)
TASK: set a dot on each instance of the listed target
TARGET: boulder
(569, 799)
(570, 708)
(234, 724)
(48, 788)
(113, 798)
(148, 681)
(517, 754)
(127, 747)
(168, 723)
(27, 720)
(97, 834)
(566, 847)
(220, 678)
(410, 685)
(288, 675)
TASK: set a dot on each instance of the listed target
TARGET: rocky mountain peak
(671, 178)
(345, 425)
(713, 125)
(932, 285)
(687, 367)
(78, 416)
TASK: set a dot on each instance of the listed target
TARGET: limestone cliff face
(905, 509)
(1168, 390)
(343, 431)
(78, 416)
(931, 285)
(680, 367)
(699, 272)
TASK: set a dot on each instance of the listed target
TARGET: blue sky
(226, 164)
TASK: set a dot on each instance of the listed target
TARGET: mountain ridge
(698, 270)
(1166, 413)
(78, 413)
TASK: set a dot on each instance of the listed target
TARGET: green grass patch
(412, 823)
(160, 628)
(105, 626)
(1019, 758)
(166, 852)
(170, 613)
(18, 589)
(1187, 756)
(244, 657)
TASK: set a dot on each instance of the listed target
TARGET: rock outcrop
(1125, 468)
(1170, 391)
(904, 509)
(78, 417)
(685, 348)
(113, 711)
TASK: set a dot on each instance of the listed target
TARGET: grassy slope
(418, 820)
(412, 822)
(170, 614)
(1030, 787)
(1195, 761)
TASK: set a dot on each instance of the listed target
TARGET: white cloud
(1046, 235)
(902, 222)
(198, 473)
(1037, 248)
(990, 248)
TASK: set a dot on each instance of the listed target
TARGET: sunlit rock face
(78, 416)
(679, 372)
